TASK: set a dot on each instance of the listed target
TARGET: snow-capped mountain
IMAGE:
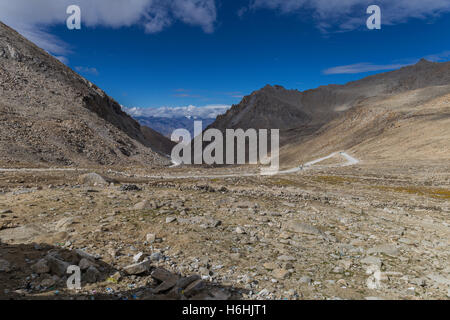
(167, 119)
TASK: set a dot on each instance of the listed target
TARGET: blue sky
(213, 52)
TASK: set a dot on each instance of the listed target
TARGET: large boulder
(92, 179)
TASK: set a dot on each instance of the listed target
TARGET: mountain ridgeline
(355, 116)
(51, 115)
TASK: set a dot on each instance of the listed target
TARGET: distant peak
(424, 61)
(277, 87)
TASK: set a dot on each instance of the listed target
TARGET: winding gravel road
(265, 172)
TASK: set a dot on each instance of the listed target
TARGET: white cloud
(196, 12)
(439, 57)
(62, 59)
(40, 36)
(362, 67)
(206, 112)
(344, 15)
(32, 18)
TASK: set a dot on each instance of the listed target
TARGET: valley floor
(365, 231)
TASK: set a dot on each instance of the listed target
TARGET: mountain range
(50, 115)
(403, 114)
(166, 120)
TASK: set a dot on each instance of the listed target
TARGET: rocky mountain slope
(51, 115)
(361, 115)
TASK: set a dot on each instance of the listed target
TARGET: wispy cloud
(182, 90)
(33, 18)
(62, 59)
(188, 95)
(87, 70)
(439, 57)
(346, 15)
(362, 68)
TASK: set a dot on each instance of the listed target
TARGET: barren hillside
(403, 114)
(400, 127)
(51, 115)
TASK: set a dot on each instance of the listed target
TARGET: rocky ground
(361, 232)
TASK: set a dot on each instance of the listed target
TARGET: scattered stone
(145, 205)
(116, 276)
(437, 278)
(64, 224)
(170, 219)
(421, 282)
(85, 264)
(285, 235)
(161, 274)
(168, 279)
(218, 294)
(235, 256)
(203, 222)
(374, 282)
(244, 205)
(338, 269)
(299, 227)
(184, 282)
(5, 266)
(194, 288)
(57, 266)
(92, 275)
(113, 252)
(22, 234)
(165, 286)
(342, 283)
(281, 274)
(150, 237)
(41, 267)
(49, 282)
(92, 179)
(138, 268)
(263, 292)
(286, 258)
(406, 241)
(345, 264)
(240, 230)
(372, 261)
(129, 187)
(204, 272)
(82, 254)
(270, 266)
(305, 280)
(138, 257)
(156, 256)
(387, 249)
